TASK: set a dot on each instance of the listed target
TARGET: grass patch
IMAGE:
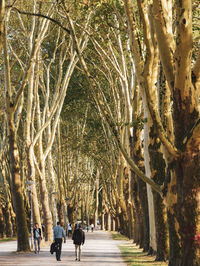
(118, 236)
(7, 239)
(134, 256)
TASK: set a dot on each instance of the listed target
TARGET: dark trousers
(59, 247)
(69, 233)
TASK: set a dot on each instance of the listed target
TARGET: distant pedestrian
(37, 237)
(92, 227)
(43, 228)
(79, 238)
(69, 230)
(58, 235)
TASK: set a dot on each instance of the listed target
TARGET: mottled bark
(2, 223)
(103, 210)
(61, 199)
(96, 213)
(71, 213)
(138, 223)
(8, 208)
(158, 170)
(136, 154)
(108, 221)
(2, 14)
(45, 205)
(9, 226)
(102, 221)
(21, 224)
(142, 190)
(186, 124)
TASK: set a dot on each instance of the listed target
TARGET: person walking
(79, 238)
(37, 237)
(58, 235)
(92, 227)
(69, 230)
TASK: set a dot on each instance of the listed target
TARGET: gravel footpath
(99, 250)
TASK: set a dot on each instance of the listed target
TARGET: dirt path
(99, 250)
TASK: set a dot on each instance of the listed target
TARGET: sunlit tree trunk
(2, 17)
(11, 107)
(103, 211)
(61, 201)
(42, 183)
(52, 186)
(96, 213)
(140, 186)
(29, 148)
(182, 189)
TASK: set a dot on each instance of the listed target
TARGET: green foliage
(79, 108)
(138, 123)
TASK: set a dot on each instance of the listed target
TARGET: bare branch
(43, 16)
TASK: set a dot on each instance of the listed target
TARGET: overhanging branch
(42, 16)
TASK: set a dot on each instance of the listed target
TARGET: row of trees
(100, 110)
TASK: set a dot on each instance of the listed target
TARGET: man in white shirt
(69, 230)
(92, 227)
(58, 235)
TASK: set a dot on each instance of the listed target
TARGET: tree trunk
(21, 224)
(52, 187)
(8, 222)
(102, 221)
(45, 206)
(186, 129)
(2, 223)
(136, 154)
(28, 139)
(139, 232)
(31, 177)
(108, 221)
(103, 210)
(188, 207)
(96, 199)
(2, 14)
(157, 165)
(113, 227)
(152, 228)
(8, 209)
(142, 192)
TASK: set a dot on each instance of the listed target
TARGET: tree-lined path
(99, 249)
(100, 124)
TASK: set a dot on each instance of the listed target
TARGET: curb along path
(99, 249)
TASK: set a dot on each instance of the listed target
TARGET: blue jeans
(37, 244)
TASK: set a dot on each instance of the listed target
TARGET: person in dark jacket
(79, 238)
(37, 237)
